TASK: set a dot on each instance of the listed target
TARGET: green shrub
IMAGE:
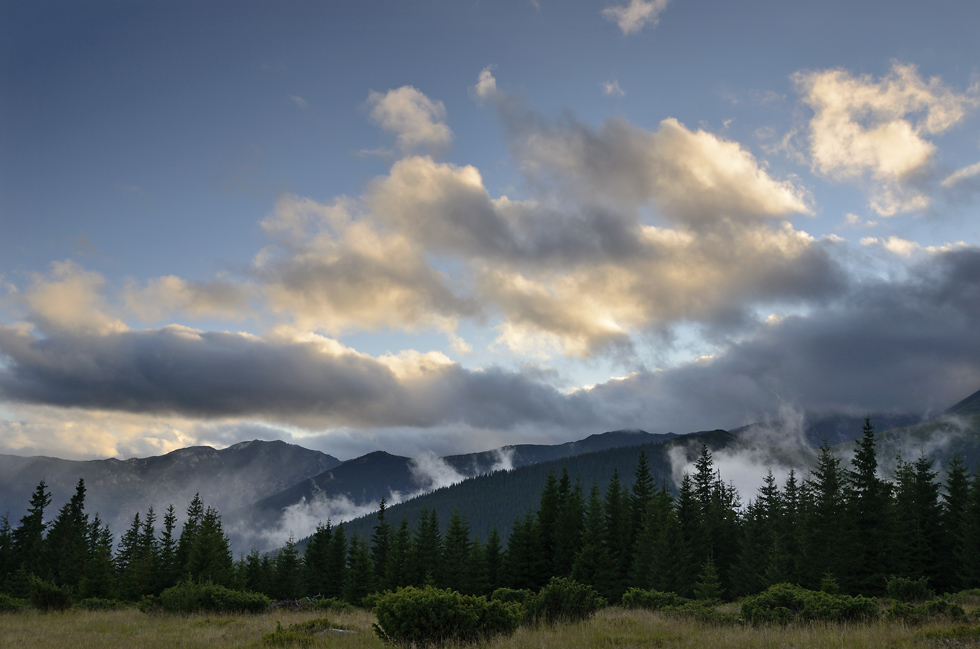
(938, 609)
(47, 596)
(301, 634)
(521, 596)
(149, 604)
(701, 611)
(783, 603)
(907, 590)
(190, 597)
(431, 616)
(10, 604)
(565, 600)
(99, 604)
(336, 604)
(651, 599)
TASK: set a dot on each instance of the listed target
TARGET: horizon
(447, 229)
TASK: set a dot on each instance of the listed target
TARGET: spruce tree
(956, 495)
(823, 520)
(456, 573)
(288, 570)
(869, 522)
(493, 553)
(593, 565)
(617, 523)
(210, 556)
(427, 549)
(316, 561)
(66, 546)
(380, 544)
(336, 575)
(360, 572)
(28, 538)
(168, 550)
(100, 568)
(399, 569)
(6, 553)
(567, 541)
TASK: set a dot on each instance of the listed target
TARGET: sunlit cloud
(636, 15)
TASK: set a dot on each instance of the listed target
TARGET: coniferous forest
(836, 524)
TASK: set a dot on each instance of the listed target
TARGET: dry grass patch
(129, 628)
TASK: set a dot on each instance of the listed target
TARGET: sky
(443, 227)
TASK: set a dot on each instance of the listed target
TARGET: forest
(840, 527)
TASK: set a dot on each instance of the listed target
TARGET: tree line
(843, 526)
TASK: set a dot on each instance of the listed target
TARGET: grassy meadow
(610, 628)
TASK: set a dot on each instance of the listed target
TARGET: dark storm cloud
(904, 346)
(181, 371)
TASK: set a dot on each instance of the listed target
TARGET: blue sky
(449, 226)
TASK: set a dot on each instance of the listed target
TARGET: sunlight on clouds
(70, 297)
(961, 175)
(164, 296)
(634, 16)
(416, 120)
(486, 86)
(905, 248)
(879, 128)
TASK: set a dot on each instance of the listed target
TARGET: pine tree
(188, 536)
(28, 538)
(66, 544)
(167, 569)
(100, 568)
(970, 556)
(955, 500)
(567, 540)
(380, 544)
(427, 548)
(688, 558)
(869, 521)
(522, 567)
(288, 570)
(919, 515)
(456, 573)
(493, 553)
(548, 516)
(316, 561)
(823, 520)
(398, 571)
(708, 586)
(360, 572)
(210, 556)
(617, 523)
(6, 553)
(336, 575)
(593, 565)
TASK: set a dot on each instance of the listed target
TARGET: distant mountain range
(267, 491)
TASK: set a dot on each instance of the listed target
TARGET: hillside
(227, 479)
(503, 496)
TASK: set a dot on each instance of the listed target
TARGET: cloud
(486, 86)
(960, 176)
(330, 271)
(634, 16)
(879, 130)
(612, 88)
(905, 248)
(162, 297)
(417, 121)
(301, 103)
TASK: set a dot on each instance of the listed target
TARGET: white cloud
(301, 103)
(486, 86)
(637, 14)
(612, 88)
(879, 130)
(960, 175)
(417, 121)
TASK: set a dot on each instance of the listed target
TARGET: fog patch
(432, 472)
(777, 444)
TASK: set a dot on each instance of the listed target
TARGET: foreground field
(611, 628)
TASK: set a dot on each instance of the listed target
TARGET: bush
(651, 599)
(565, 600)
(908, 590)
(701, 611)
(10, 604)
(99, 604)
(336, 604)
(301, 633)
(521, 596)
(190, 597)
(46, 596)
(431, 616)
(149, 604)
(783, 603)
(939, 609)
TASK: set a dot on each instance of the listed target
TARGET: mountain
(837, 428)
(968, 406)
(116, 489)
(500, 498)
(364, 481)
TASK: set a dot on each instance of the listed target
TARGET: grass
(612, 628)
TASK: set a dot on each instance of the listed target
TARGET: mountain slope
(117, 489)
